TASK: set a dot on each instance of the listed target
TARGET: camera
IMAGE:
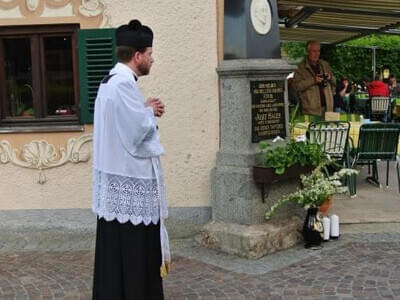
(324, 82)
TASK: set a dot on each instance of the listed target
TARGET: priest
(132, 250)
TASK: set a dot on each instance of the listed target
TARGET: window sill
(48, 128)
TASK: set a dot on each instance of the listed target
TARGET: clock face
(260, 15)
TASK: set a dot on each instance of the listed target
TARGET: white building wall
(183, 76)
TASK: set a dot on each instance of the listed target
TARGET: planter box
(267, 175)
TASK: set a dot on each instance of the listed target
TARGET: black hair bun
(135, 24)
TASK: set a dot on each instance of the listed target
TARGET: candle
(334, 226)
(326, 223)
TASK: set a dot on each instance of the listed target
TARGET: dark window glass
(59, 75)
(38, 75)
(18, 72)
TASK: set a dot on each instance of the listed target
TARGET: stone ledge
(259, 66)
(47, 240)
(252, 241)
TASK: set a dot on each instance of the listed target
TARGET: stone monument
(254, 107)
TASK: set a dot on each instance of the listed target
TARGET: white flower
(347, 172)
(317, 187)
(336, 183)
(277, 139)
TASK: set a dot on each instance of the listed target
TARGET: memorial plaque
(267, 110)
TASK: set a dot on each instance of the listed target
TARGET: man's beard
(143, 69)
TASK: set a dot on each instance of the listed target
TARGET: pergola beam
(361, 12)
(366, 5)
(353, 29)
(357, 18)
(302, 15)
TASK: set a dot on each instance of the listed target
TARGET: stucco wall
(183, 76)
(66, 187)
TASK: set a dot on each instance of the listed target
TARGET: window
(49, 75)
(39, 75)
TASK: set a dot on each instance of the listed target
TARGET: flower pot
(324, 207)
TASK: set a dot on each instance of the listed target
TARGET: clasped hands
(157, 105)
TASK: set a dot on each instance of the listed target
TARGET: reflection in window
(18, 70)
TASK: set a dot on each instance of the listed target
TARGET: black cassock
(127, 262)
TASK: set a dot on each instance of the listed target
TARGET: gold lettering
(274, 115)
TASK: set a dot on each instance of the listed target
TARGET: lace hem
(124, 218)
(126, 198)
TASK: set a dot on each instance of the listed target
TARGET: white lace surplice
(126, 198)
(128, 182)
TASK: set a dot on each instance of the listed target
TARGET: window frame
(36, 34)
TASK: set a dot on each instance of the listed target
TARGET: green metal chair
(334, 138)
(380, 109)
(377, 141)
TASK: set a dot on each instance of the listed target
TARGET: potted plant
(317, 189)
(286, 161)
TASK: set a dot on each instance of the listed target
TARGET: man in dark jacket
(314, 82)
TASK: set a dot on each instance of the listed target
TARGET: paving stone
(357, 266)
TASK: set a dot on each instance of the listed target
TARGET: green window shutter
(96, 58)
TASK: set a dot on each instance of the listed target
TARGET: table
(360, 103)
(301, 128)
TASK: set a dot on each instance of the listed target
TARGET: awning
(337, 21)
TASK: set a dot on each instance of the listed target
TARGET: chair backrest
(378, 141)
(380, 105)
(332, 135)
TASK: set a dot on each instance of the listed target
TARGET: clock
(261, 16)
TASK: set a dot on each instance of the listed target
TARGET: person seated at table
(343, 90)
(378, 88)
(394, 87)
(363, 86)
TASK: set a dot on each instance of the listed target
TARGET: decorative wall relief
(90, 8)
(88, 13)
(94, 8)
(32, 4)
(41, 155)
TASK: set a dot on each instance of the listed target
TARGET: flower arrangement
(316, 188)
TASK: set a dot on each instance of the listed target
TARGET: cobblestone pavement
(357, 266)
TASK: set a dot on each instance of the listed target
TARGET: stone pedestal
(252, 241)
(236, 197)
(237, 208)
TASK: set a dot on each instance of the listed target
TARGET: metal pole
(373, 62)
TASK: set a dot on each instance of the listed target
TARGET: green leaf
(280, 170)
